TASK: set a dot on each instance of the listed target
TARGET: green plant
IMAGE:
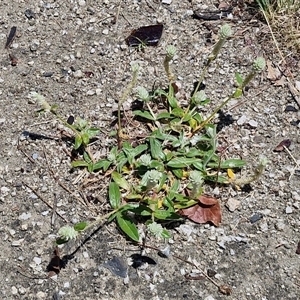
(156, 179)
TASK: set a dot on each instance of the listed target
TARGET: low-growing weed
(156, 179)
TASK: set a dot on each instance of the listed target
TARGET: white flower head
(67, 233)
(40, 100)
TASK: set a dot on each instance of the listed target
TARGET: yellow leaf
(230, 173)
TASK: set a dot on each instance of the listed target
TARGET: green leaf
(85, 138)
(238, 93)
(102, 164)
(239, 78)
(90, 167)
(162, 181)
(79, 163)
(178, 112)
(159, 166)
(80, 226)
(114, 195)
(232, 163)
(163, 115)
(92, 132)
(165, 234)
(198, 165)
(78, 142)
(60, 241)
(156, 149)
(174, 188)
(178, 173)
(142, 210)
(120, 181)
(127, 226)
(181, 162)
(139, 149)
(144, 114)
(166, 215)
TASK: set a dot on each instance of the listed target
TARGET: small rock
(166, 2)
(14, 290)
(17, 243)
(35, 44)
(280, 225)
(22, 290)
(4, 190)
(90, 93)
(210, 297)
(105, 31)
(37, 260)
(232, 204)
(78, 74)
(253, 123)
(288, 210)
(24, 216)
(241, 120)
(264, 226)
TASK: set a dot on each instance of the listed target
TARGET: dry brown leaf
(273, 73)
(207, 210)
(280, 82)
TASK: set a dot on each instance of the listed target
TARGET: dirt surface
(56, 43)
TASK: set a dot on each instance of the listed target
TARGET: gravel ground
(56, 43)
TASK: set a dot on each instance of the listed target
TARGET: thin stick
(49, 205)
(293, 158)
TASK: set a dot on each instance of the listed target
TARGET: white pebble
(241, 120)
(253, 123)
(105, 31)
(288, 210)
(14, 290)
(37, 260)
(25, 216)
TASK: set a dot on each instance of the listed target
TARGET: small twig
(54, 209)
(293, 158)
(60, 183)
(49, 205)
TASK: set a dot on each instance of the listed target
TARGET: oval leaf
(128, 227)
(114, 195)
(80, 226)
(120, 181)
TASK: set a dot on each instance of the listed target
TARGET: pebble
(280, 225)
(253, 123)
(14, 290)
(90, 92)
(288, 210)
(78, 74)
(232, 204)
(4, 190)
(17, 243)
(209, 297)
(35, 44)
(264, 226)
(241, 120)
(166, 2)
(105, 31)
(37, 260)
(24, 216)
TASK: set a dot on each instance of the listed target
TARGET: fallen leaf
(280, 147)
(273, 73)
(280, 82)
(207, 210)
